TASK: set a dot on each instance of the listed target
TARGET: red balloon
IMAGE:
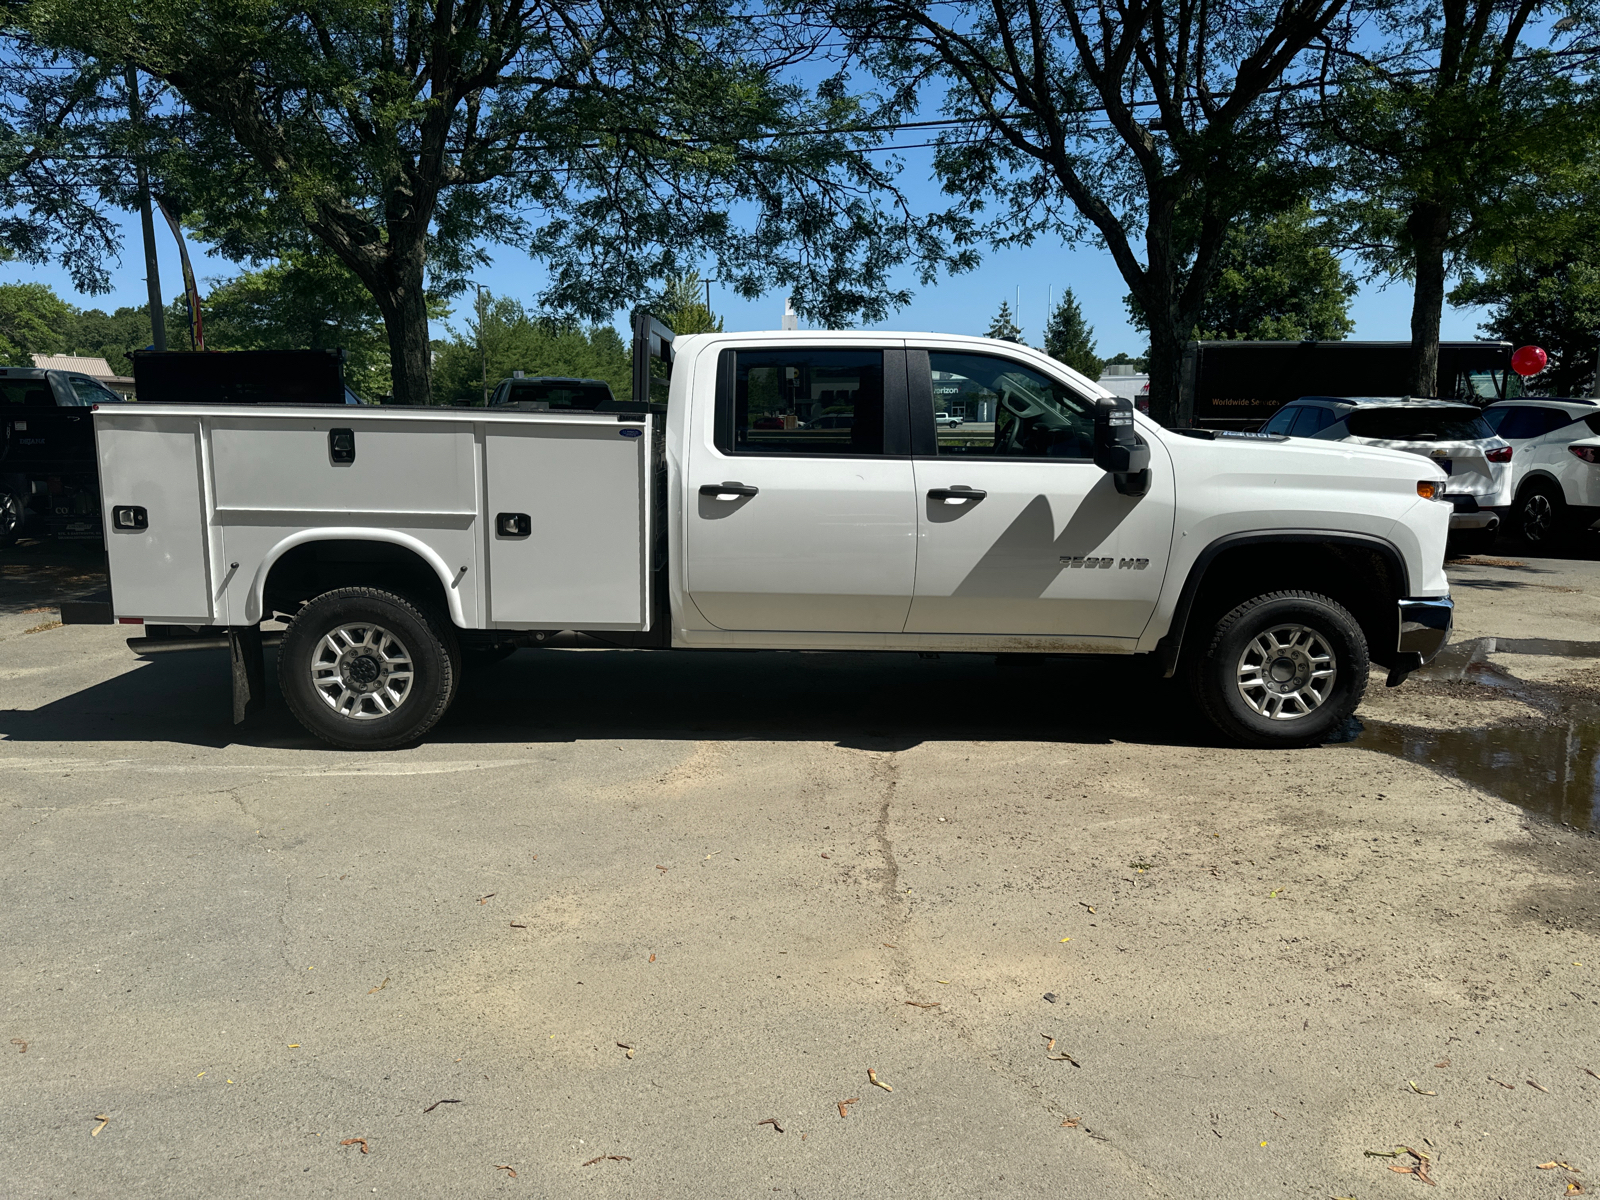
(1529, 360)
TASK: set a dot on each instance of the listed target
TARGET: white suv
(1556, 464)
(1451, 433)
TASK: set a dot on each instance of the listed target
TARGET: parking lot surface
(622, 908)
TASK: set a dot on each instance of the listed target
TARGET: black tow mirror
(1118, 448)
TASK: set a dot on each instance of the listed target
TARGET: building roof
(97, 368)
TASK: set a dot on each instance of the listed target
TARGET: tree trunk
(1166, 368)
(404, 306)
(1428, 224)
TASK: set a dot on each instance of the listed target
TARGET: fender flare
(254, 600)
(1538, 476)
(1171, 643)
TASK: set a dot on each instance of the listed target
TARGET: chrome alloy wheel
(1538, 517)
(1286, 672)
(362, 671)
(11, 513)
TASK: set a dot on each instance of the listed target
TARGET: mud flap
(249, 670)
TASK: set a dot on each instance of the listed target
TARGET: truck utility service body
(741, 518)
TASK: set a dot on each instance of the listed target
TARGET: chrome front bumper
(1424, 628)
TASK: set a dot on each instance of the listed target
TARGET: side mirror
(1118, 448)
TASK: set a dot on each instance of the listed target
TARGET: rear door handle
(728, 491)
(957, 495)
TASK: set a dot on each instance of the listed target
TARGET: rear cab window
(579, 394)
(804, 402)
(26, 392)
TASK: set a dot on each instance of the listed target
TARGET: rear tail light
(1589, 454)
(1428, 489)
(1501, 455)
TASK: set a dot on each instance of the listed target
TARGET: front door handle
(957, 495)
(728, 491)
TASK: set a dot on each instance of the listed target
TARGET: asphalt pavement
(635, 924)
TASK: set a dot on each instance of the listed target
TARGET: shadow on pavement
(40, 574)
(876, 701)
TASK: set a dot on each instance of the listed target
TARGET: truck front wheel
(367, 670)
(1284, 669)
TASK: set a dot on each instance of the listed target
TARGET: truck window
(803, 402)
(1282, 420)
(86, 392)
(1311, 421)
(557, 393)
(1422, 423)
(26, 391)
(1009, 410)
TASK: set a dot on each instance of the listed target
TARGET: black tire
(1473, 541)
(13, 514)
(348, 700)
(1219, 670)
(1540, 516)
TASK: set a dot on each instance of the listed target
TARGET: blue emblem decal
(631, 432)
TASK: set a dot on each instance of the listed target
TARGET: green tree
(1140, 364)
(1441, 130)
(1540, 280)
(1068, 338)
(32, 317)
(1277, 282)
(1151, 126)
(683, 308)
(1004, 326)
(304, 302)
(515, 341)
(614, 141)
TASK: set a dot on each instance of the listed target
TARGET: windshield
(1420, 424)
(567, 393)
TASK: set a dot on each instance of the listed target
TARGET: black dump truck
(1239, 385)
(49, 480)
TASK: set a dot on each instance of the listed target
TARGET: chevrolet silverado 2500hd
(795, 492)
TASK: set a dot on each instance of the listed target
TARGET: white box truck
(794, 492)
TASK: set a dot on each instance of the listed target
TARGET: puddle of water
(1552, 769)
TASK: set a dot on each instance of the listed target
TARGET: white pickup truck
(399, 543)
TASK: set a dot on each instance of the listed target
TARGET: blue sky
(963, 304)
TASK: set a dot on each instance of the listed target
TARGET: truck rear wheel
(12, 516)
(367, 670)
(1284, 669)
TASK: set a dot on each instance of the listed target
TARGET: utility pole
(152, 269)
(708, 283)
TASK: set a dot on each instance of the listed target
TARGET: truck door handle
(957, 495)
(728, 491)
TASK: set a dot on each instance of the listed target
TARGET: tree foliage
(1150, 126)
(32, 317)
(515, 340)
(1068, 338)
(1277, 282)
(1449, 122)
(616, 140)
(683, 308)
(1004, 325)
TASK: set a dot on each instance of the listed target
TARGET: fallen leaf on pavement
(104, 1121)
(1443, 1062)
(1540, 1086)
(920, 1004)
(1586, 1071)
(489, 897)
(514, 925)
(1383, 1153)
(380, 987)
(1418, 1090)
(619, 1158)
(1574, 1188)
(659, 867)
(436, 1104)
(841, 1103)
(597, 1158)
(1063, 1058)
(628, 1048)
(1510, 1087)
(890, 946)
(824, 856)
(22, 1045)
(773, 1121)
(1049, 1042)
(1071, 1122)
(1090, 907)
(872, 1078)
(498, 1167)
(362, 1142)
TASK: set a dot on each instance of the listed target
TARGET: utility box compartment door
(153, 465)
(568, 525)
